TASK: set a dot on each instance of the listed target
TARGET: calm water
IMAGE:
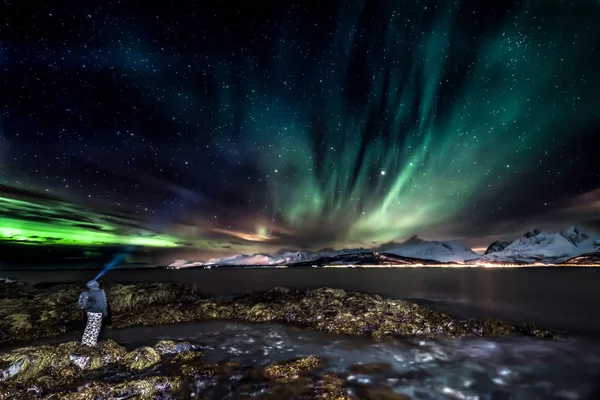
(559, 298)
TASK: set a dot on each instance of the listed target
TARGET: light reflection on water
(474, 368)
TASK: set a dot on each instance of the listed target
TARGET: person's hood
(93, 285)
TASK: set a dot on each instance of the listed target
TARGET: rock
(142, 358)
(52, 367)
(52, 370)
(496, 247)
(169, 347)
(200, 370)
(27, 313)
(327, 386)
(186, 356)
(143, 389)
(290, 370)
(49, 313)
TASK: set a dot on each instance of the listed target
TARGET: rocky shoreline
(166, 370)
(109, 371)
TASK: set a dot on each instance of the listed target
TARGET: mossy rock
(326, 386)
(290, 370)
(149, 388)
(197, 369)
(142, 358)
(164, 347)
(54, 371)
(27, 313)
(49, 366)
(53, 310)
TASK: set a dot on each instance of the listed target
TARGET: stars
(388, 130)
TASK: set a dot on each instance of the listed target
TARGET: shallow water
(474, 368)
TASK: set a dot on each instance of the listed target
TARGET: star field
(245, 126)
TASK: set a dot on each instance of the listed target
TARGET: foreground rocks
(177, 369)
(173, 370)
(27, 313)
(330, 310)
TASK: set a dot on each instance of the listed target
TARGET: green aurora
(415, 154)
(397, 119)
(58, 223)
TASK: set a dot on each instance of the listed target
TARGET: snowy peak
(539, 246)
(575, 236)
(535, 232)
(449, 251)
(536, 246)
(415, 249)
(287, 258)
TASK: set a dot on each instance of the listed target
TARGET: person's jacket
(94, 300)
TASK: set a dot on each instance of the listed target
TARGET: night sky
(247, 126)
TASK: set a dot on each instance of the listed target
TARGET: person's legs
(92, 329)
(103, 335)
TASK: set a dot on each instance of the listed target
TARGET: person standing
(93, 302)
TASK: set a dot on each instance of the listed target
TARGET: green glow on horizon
(63, 224)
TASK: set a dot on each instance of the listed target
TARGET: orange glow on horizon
(250, 237)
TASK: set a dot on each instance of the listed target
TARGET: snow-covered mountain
(448, 251)
(533, 247)
(414, 248)
(286, 258)
(545, 247)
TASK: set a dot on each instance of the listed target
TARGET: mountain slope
(287, 258)
(545, 247)
(413, 251)
(496, 247)
(449, 251)
(585, 259)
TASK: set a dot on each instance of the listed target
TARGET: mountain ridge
(535, 246)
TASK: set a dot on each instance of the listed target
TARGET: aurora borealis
(256, 126)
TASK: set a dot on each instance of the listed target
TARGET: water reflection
(515, 368)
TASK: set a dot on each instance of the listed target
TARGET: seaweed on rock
(52, 311)
(331, 310)
(71, 371)
(28, 313)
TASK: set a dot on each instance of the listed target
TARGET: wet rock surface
(27, 313)
(330, 310)
(180, 369)
(166, 370)
(227, 360)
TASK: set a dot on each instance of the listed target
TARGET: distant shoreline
(221, 267)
